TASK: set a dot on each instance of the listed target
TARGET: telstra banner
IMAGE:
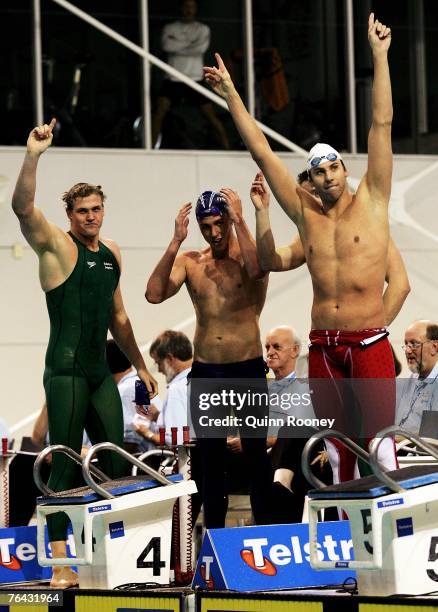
(19, 557)
(271, 557)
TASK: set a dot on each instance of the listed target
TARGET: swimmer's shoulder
(113, 247)
(194, 257)
(308, 199)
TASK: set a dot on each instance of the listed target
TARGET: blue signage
(101, 508)
(387, 503)
(117, 530)
(271, 557)
(405, 526)
(18, 556)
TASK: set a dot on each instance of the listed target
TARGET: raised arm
(39, 233)
(283, 185)
(170, 272)
(272, 259)
(246, 241)
(398, 286)
(379, 173)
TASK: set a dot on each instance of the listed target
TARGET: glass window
(186, 34)
(92, 84)
(429, 138)
(300, 70)
(16, 106)
(394, 13)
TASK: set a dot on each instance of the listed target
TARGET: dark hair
(81, 190)
(117, 360)
(303, 176)
(432, 331)
(172, 343)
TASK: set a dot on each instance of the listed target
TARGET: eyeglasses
(317, 160)
(414, 345)
(277, 347)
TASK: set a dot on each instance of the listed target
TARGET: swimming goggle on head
(321, 153)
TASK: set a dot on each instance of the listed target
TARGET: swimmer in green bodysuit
(80, 275)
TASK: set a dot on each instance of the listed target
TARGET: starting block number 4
(156, 564)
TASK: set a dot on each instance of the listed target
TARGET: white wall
(144, 193)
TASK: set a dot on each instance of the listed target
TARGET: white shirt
(185, 44)
(175, 406)
(414, 396)
(126, 387)
(289, 396)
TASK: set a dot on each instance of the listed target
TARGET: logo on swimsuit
(108, 265)
(91, 264)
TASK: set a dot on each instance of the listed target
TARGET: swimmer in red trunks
(345, 239)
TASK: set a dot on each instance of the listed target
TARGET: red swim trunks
(362, 405)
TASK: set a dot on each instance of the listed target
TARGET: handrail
(394, 430)
(58, 448)
(172, 71)
(120, 451)
(311, 442)
(152, 453)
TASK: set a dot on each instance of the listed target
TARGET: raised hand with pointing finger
(219, 78)
(379, 35)
(40, 138)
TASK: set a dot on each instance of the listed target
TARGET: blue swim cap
(210, 203)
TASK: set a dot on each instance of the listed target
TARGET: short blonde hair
(81, 190)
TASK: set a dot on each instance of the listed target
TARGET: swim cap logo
(210, 203)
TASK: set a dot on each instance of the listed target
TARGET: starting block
(122, 528)
(393, 523)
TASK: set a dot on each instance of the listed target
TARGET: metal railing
(151, 59)
(313, 441)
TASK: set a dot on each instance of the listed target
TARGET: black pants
(286, 453)
(212, 450)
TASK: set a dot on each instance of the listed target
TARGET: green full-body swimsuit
(80, 391)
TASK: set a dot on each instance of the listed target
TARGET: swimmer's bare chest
(220, 287)
(227, 304)
(346, 255)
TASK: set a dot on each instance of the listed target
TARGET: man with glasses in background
(419, 393)
(345, 239)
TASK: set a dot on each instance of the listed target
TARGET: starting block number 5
(433, 548)
(156, 564)
(367, 527)
(433, 556)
